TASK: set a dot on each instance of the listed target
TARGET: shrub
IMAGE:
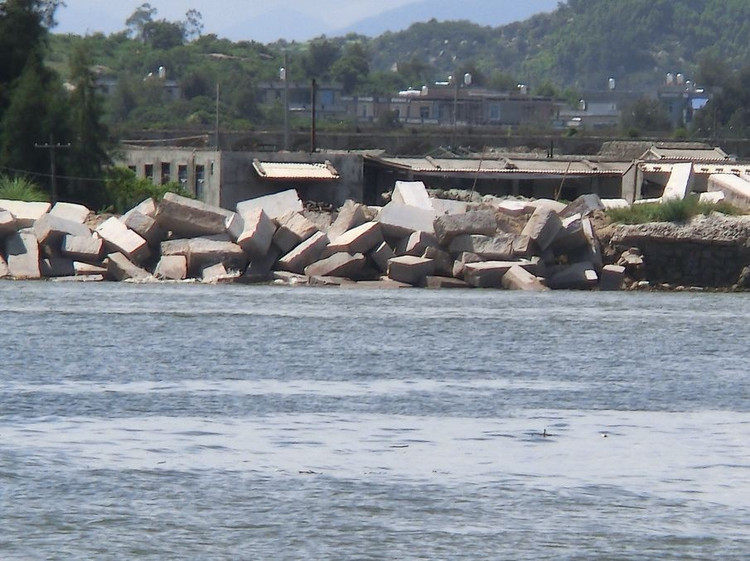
(21, 189)
(670, 211)
(125, 190)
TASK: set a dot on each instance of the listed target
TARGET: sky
(263, 21)
(233, 19)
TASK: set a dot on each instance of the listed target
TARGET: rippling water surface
(234, 422)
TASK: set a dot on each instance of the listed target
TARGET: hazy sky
(223, 17)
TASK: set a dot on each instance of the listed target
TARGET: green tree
(352, 68)
(646, 115)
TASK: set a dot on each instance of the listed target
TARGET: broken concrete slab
(338, 265)
(410, 269)
(187, 218)
(543, 226)
(449, 226)
(50, 230)
(123, 240)
(57, 267)
(350, 216)
(82, 248)
(579, 276)
(448, 206)
(400, 220)
(518, 278)
(145, 226)
(360, 239)
(25, 213)
(202, 252)
(612, 277)
(584, 205)
(71, 211)
(432, 281)
(274, 205)
(306, 253)
(380, 256)
(120, 268)
(498, 247)
(7, 223)
(293, 229)
(22, 254)
(171, 267)
(412, 193)
(487, 274)
(257, 232)
(680, 182)
(415, 244)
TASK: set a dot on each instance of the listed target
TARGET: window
(148, 171)
(200, 179)
(182, 175)
(166, 168)
(424, 113)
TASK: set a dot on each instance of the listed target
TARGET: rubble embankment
(414, 240)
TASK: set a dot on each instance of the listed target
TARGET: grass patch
(677, 211)
(21, 189)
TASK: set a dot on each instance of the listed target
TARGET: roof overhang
(292, 171)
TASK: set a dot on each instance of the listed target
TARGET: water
(234, 422)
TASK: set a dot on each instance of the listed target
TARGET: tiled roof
(296, 171)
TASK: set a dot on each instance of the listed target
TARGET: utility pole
(52, 147)
(217, 116)
(313, 100)
(284, 75)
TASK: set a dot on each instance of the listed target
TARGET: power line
(47, 175)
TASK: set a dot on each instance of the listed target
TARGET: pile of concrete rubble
(414, 240)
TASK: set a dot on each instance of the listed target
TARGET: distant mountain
(492, 13)
(276, 24)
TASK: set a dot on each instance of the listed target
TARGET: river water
(235, 422)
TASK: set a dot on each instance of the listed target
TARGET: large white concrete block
(186, 217)
(410, 269)
(612, 277)
(497, 248)
(122, 239)
(518, 278)
(171, 267)
(448, 206)
(203, 252)
(579, 276)
(3, 267)
(306, 253)
(735, 189)
(71, 211)
(146, 207)
(415, 244)
(275, 205)
(412, 193)
(257, 232)
(145, 226)
(120, 268)
(293, 229)
(360, 239)
(487, 274)
(25, 213)
(350, 216)
(449, 226)
(50, 229)
(399, 220)
(57, 267)
(82, 248)
(7, 223)
(338, 265)
(543, 226)
(381, 255)
(584, 205)
(680, 182)
(22, 254)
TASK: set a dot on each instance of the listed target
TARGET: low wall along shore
(415, 240)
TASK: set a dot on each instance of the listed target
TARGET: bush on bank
(677, 211)
(21, 189)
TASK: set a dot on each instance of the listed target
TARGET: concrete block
(512, 207)
(412, 193)
(306, 253)
(543, 226)
(330, 281)
(291, 279)
(518, 278)
(204, 251)
(443, 261)
(120, 268)
(680, 182)
(612, 277)
(275, 205)
(523, 246)
(89, 269)
(584, 205)
(7, 223)
(146, 207)
(22, 254)
(380, 256)
(461, 260)
(415, 244)
(400, 220)
(71, 211)
(350, 216)
(123, 240)
(579, 276)
(384, 283)
(3, 267)
(591, 251)
(448, 206)
(82, 248)
(338, 265)
(257, 232)
(25, 213)
(50, 230)
(293, 229)
(214, 273)
(487, 274)
(57, 267)
(145, 226)
(449, 226)
(432, 281)
(410, 269)
(171, 267)
(360, 239)
(615, 203)
(186, 217)
(498, 247)
(259, 269)
(711, 198)
(571, 236)
(550, 204)
(735, 189)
